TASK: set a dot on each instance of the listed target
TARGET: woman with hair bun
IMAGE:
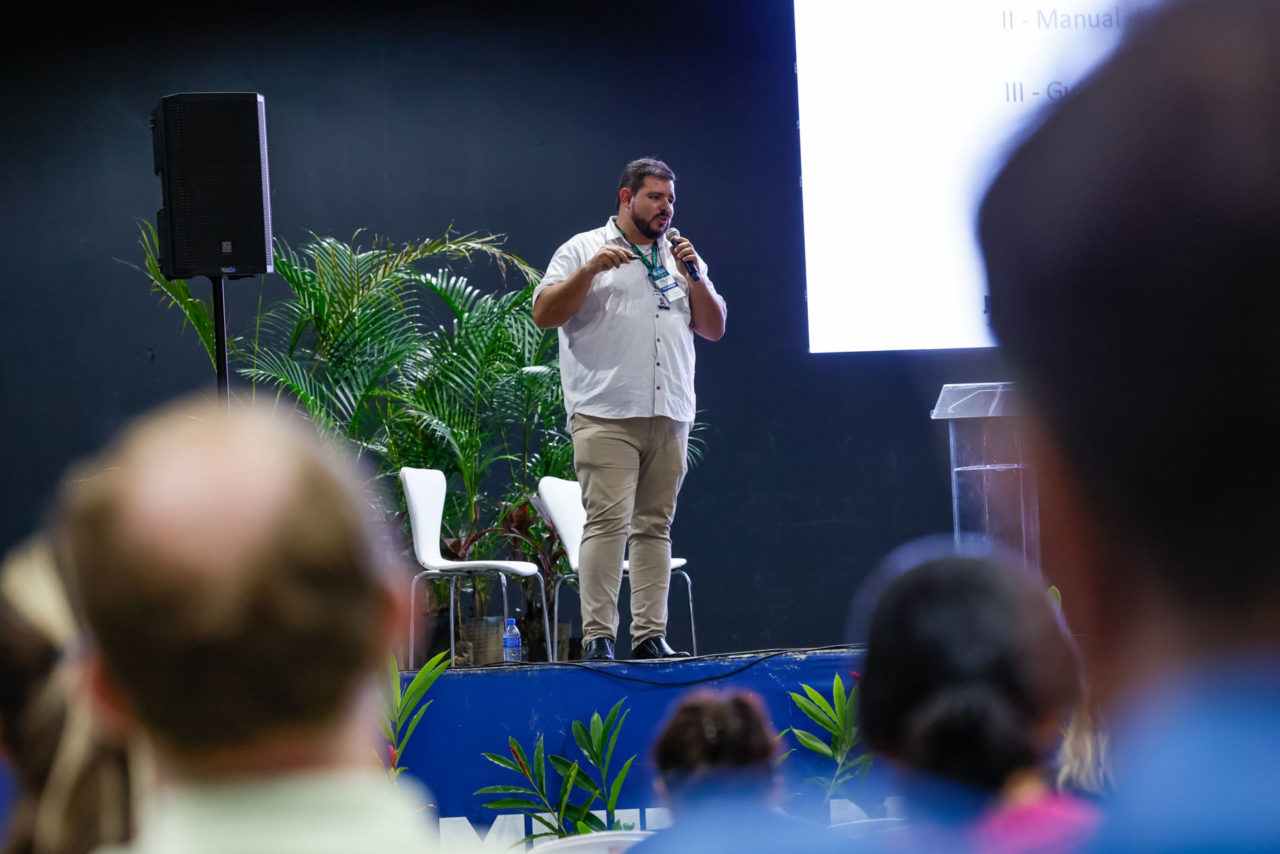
(968, 680)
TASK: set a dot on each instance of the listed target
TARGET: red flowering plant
(557, 816)
(552, 811)
(402, 710)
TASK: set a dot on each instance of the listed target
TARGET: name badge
(665, 284)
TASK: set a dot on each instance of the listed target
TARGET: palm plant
(473, 396)
(176, 293)
(481, 400)
(354, 347)
(350, 328)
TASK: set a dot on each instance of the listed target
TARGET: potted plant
(412, 368)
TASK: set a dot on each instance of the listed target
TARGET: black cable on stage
(604, 669)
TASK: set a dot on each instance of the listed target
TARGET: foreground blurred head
(74, 781)
(968, 673)
(1132, 254)
(231, 578)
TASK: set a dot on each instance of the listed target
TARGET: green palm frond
(464, 247)
(458, 296)
(553, 459)
(288, 375)
(436, 421)
(352, 392)
(289, 267)
(196, 313)
(697, 448)
(381, 325)
(352, 327)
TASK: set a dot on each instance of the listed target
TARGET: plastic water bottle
(511, 650)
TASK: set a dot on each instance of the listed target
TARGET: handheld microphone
(673, 234)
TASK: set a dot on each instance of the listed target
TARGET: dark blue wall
(485, 116)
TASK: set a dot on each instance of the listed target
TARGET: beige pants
(630, 470)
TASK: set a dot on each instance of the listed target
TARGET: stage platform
(476, 709)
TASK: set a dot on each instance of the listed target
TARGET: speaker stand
(220, 336)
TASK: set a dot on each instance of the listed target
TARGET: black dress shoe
(598, 649)
(656, 647)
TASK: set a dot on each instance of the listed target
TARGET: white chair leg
(555, 598)
(560, 579)
(546, 623)
(453, 596)
(413, 613)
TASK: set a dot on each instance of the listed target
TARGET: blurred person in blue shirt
(968, 680)
(1132, 245)
(715, 768)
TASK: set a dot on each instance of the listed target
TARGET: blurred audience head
(235, 588)
(968, 674)
(716, 744)
(74, 782)
(1131, 255)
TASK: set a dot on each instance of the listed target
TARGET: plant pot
(433, 633)
(481, 642)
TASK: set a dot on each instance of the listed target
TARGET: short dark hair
(1132, 246)
(966, 658)
(633, 175)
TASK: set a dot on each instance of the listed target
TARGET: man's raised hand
(610, 257)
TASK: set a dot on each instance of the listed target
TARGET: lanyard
(651, 264)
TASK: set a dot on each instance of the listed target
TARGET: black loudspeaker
(211, 156)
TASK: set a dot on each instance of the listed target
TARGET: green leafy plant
(482, 393)
(482, 402)
(400, 720)
(412, 368)
(348, 326)
(837, 717)
(597, 741)
(554, 812)
(176, 293)
(349, 332)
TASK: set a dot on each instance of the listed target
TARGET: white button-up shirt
(621, 356)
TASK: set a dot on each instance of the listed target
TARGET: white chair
(560, 503)
(604, 842)
(424, 492)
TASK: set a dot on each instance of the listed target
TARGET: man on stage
(627, 301)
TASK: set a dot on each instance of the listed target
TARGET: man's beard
(647, 230)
